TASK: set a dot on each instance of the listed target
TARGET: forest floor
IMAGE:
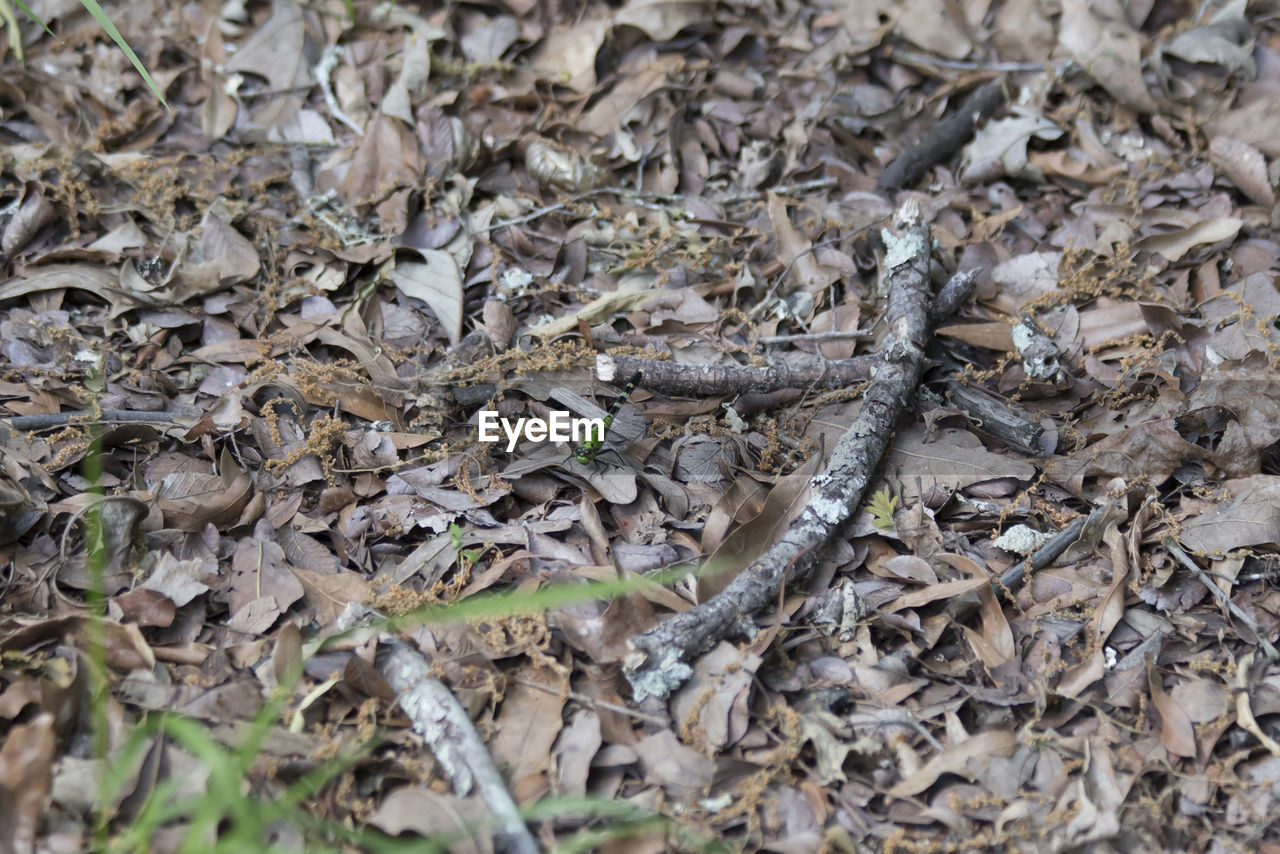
(247, 337)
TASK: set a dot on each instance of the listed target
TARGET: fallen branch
(658, 663)
(997, 418)
(699, 380)
(46, 420)
(1223, 599)
(447, 730)
(833, 335)
(1081, 536)
(663, 198)
(944, 139)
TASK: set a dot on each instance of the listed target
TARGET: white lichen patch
(903, 248)
(1022, 540)
(1022, 336)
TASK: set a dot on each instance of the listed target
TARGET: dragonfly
(585, 460)
(587, 452)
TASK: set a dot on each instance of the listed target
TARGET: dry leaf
(957, 760)
(1100, 38)
(437, 282)
(1245, 166)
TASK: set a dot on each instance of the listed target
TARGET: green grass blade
(110, 29)
(558, 596)
(33, 16)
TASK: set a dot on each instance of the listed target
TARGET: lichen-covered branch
(695, 380)
(659, 661)
(442, 722)
(446, 729)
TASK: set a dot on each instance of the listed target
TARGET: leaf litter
(361, 224)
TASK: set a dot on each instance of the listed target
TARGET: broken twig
(699, 380)
(944, 139)
(1223, 599)
(658, 663)
(447, 730)
(997, 418)
(46, 420)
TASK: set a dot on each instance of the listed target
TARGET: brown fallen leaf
(1251, 518)
(330, 593)
(1107, 613)
(935, 592)
(431, 814)
(754, 536)
(931, 466)
(575, 747)
(436, 281)
(283, 52)
(795, 251)
(1255, 122)
(714, 701)
(1245, 166)
(26, 778)
(528, 724)
(1101, 39)
(681, 770)
(1175, 244)
(1176, 732)
(99, 281)
(956, 760)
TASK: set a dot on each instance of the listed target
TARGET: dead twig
(779, 190)
(447, 729)
(912, 58)
(944, 139)
(1223, 599)
(708, 380)
(996, 417)
(661, 198)
(896, 717)
(833, 335)
(658, 664)
(1084, 528)
(47, 420)
(593, 703)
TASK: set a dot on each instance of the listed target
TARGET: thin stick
(529, 217)
(963, 64)
(442, 722)
(780, 190)
(46, 420)
(594, 703)
(700, 380)
(906, 719)
(446, 728)
(1050, 551)
(665, 198)
(833, 335)
(659, 663)
(944, 139)
(1223, 599)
